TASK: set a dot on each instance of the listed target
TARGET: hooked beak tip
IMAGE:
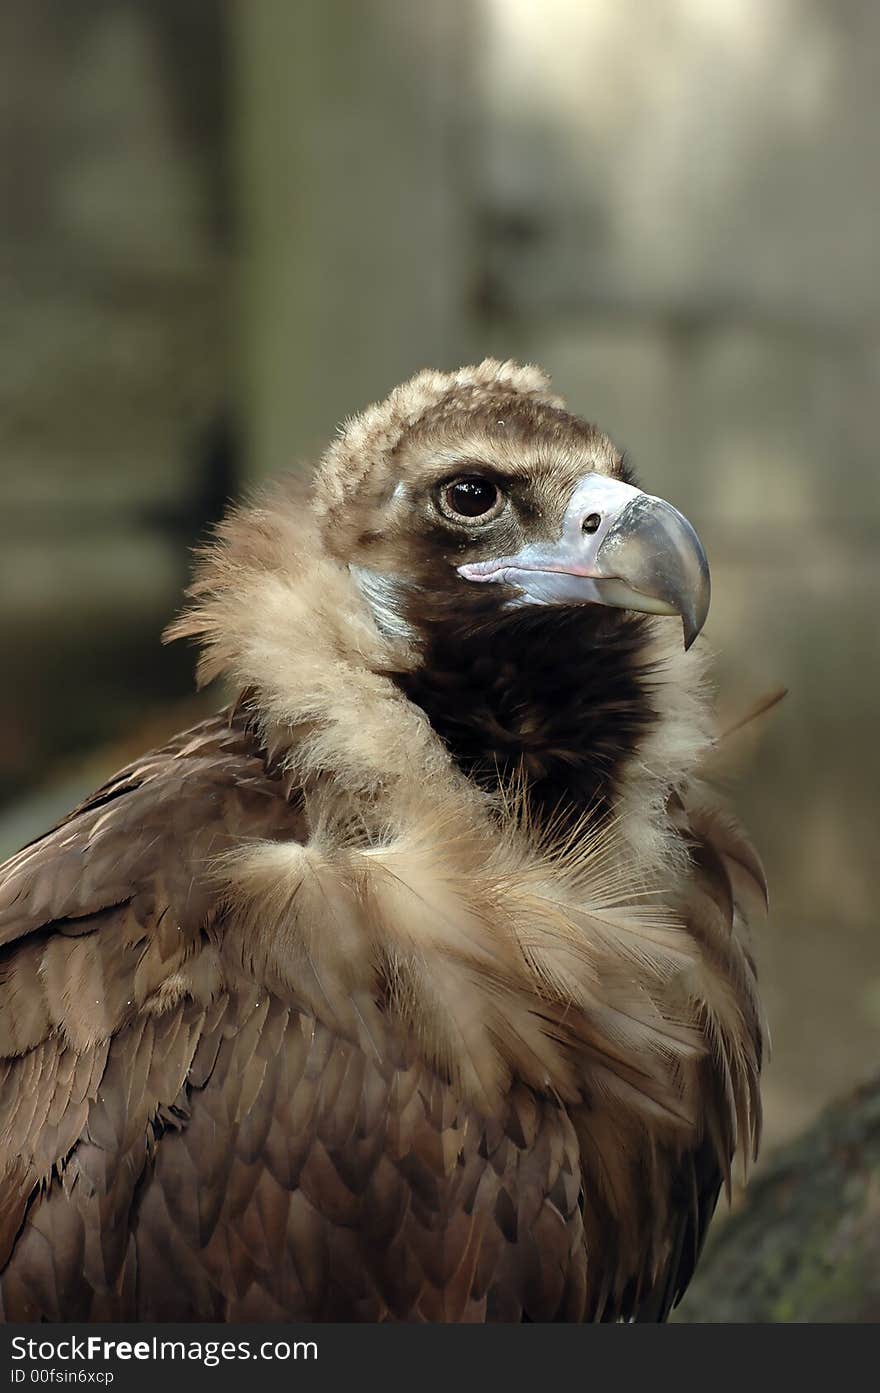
(657, 550)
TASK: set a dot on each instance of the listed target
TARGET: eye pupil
(471, 498)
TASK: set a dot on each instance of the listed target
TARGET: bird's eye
(470, 498)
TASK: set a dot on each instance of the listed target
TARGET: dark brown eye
(470, 498)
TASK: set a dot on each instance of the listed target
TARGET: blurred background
(224, 226)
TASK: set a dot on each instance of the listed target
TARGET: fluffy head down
(356, 465)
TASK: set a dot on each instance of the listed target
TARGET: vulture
(416, 984)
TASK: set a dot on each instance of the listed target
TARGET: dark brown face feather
(536, 454)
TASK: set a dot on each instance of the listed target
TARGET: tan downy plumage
(298, 1020)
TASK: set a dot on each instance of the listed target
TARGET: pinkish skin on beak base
(620, 547)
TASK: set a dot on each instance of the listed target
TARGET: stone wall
(114, 362)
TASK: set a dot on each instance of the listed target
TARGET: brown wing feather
(97, 920)
(178, 1142)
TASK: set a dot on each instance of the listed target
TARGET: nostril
(591, 523)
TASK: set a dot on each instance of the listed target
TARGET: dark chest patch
(562, 699)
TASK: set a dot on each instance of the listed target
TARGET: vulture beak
(618, 547)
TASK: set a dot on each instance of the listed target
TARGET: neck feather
(424, 889)
(557, 703)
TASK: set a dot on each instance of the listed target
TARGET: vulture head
(500, 500)
(504, 543)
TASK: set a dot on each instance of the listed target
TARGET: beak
(618, 547)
